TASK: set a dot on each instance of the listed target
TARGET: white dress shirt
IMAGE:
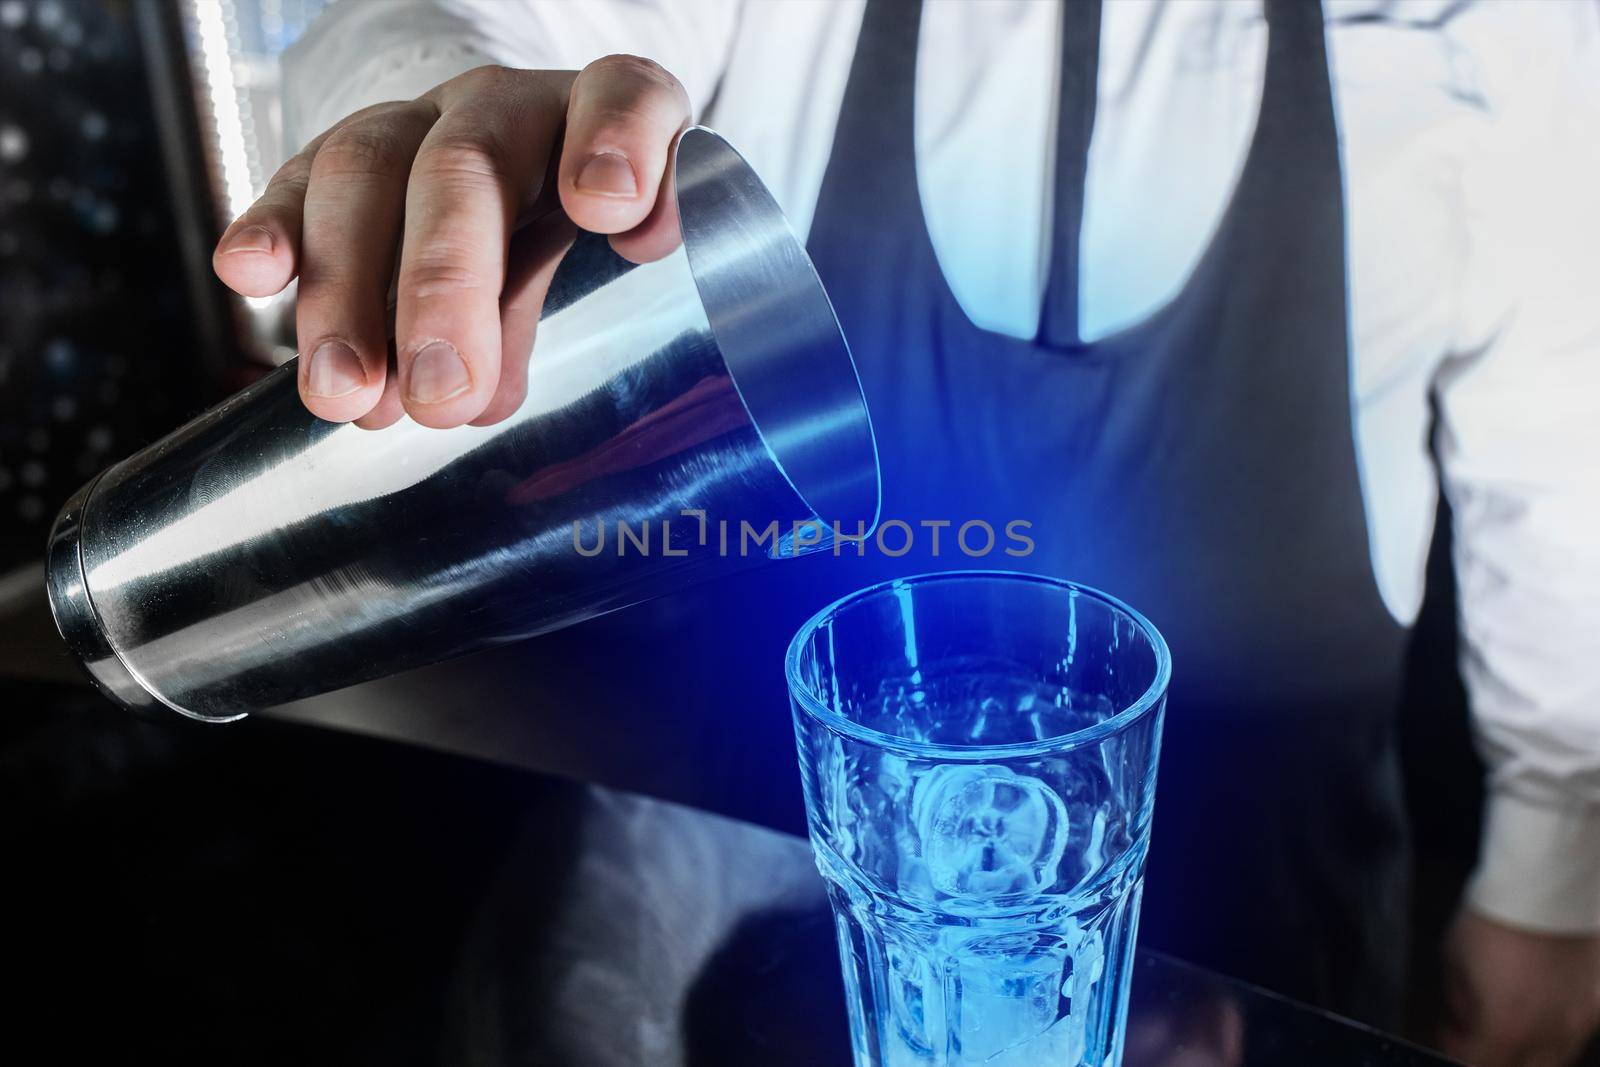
(1470, 136)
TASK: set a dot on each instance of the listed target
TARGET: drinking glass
(978, 752)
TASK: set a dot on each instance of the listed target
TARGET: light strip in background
(234, 48)
(222, 92)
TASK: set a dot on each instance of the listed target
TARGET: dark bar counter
(270, 893)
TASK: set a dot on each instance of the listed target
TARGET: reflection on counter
(276, 894)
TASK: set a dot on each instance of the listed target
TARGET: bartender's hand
(1514, 998)
(442, 181)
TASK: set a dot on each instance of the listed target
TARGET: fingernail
(250, 239)
(335, 371)
(609, 174)
(437, 374)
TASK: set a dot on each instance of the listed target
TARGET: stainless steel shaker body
(258, 554)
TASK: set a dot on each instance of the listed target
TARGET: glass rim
(1143, 705)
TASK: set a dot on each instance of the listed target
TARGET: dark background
(103, 342)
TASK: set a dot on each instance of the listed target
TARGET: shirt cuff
(1539, 867)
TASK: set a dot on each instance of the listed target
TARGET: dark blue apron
(1199, 465)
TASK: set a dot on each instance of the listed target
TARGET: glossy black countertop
(266, 893)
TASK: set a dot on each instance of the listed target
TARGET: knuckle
(361, 150)
(491, 77)
(294, 166)
(473, 157)
(441, 272)
(378, 110)
(289, 178)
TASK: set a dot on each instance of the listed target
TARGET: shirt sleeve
(1519, 444)
(363, 52)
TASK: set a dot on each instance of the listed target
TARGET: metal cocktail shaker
(258, 554)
